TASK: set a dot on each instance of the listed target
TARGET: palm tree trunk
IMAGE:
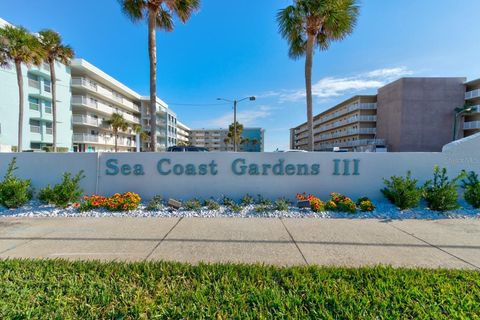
(53, 80)
(152, 52)
(18, 66)
(308, 86)
(116, 137)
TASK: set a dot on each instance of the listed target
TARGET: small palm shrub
(471, 185)
(365, 204)
(262, 208)
(65, 193)
(228, 202)
(341, 203)
(212, 204)
(403, 192)
(14, 192)
(155, 204)
(316, 204)
(247, 200)
(192, 205)
(235, 208)
(263, 201)
(281, 204)
(441, 193)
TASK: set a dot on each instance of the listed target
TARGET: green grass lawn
(85, 290)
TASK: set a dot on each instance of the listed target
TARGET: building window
(34, 103)
(35, 126)
(48, 106)
(33, 81)
(49, 129)
(47, 86)
(35, 146)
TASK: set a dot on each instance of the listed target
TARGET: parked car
(186, 149)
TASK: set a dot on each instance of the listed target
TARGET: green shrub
(403, 191)
(262, 208)
(14, 192)
(441, 193)
(365, 204)
(192, 205)
(235, 208)
(247, 200)
(228, 202)
(212, 204)
(263, 201)
(472, 189)
(282, 204)
(65, 193)
(155, 204)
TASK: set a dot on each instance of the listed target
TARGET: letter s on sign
(112, 167)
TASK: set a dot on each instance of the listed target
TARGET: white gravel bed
(384, 211)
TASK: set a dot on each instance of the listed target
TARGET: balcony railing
(472, 94)
(102, 107)
(472, 125)
(101, 139)
(345, 122)
(354, 143)
(81, 119)
(350, 108)
(34, 83)
(349, 133)
(93, 86)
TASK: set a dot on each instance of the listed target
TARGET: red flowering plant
(118, 202)
(339, 202)
(316, 204)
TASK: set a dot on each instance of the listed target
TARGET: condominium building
(166, 123)
(183, 134)
(215, 139)
(471, 124)
(95, 98)
(410, 114)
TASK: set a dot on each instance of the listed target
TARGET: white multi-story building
(166, 123)
(95, 98)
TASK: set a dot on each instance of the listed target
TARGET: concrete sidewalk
(409, 243)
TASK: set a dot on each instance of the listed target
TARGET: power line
(198, 104)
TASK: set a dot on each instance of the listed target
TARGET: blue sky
(231, 49)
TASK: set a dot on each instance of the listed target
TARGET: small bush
(365, 204)
(14, 192)
(282, 204)
(235, 208)
(212, 204)
(192, 205)
(65, 193)
(403, 192)
(441, 193)
(228, 202)
(247, 200)
(262, 208)
(155, 204)
(472, 189)
(341, 203)
(316, 204)
(263, 201)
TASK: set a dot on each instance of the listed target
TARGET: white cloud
(329, 87)
(245, 117)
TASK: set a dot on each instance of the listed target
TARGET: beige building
(410, 114)
(214, 139)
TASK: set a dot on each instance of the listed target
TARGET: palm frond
(134, 9)
(165, 20)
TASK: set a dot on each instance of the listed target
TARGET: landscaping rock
(172, 203)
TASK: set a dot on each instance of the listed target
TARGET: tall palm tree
(3, 51)
(311, 24)
(117, 122)
(54, 50)
(159, 14)
(20, 47)
(231, 136)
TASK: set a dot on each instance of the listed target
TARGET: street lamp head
(253, 98)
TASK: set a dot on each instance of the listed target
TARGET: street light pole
(235, 102)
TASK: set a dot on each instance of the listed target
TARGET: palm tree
(310, 24)
(144, 136)
(20, 47)
(230, 135)
(3, 51)
(117, 122)
(159, 14)
(54, 51)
